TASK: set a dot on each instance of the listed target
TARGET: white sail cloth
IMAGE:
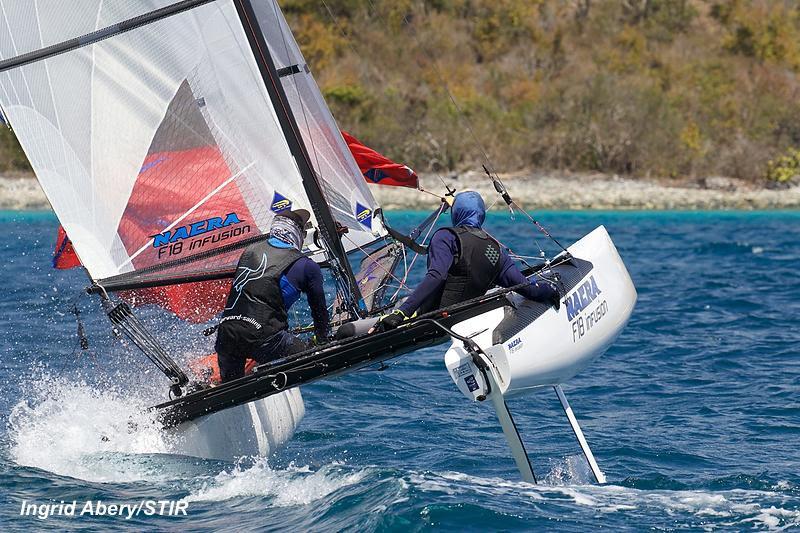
(154, 136)
(343, 184)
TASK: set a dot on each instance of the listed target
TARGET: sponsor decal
(582, 298)
(515, 345)
(280, 203)
(364, 215)
(253, 322)
(585, 308)
(471, 382)
(462, 370)
(215, 229)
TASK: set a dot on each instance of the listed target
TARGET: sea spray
(68, 427)
(294, 485)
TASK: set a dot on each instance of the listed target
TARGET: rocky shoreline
(533, 191)
(600, 192)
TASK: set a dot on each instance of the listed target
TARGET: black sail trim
(289, 71)
(101, 34)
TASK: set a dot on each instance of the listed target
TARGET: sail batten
(97, 35)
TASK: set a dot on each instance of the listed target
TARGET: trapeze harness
(255, 309)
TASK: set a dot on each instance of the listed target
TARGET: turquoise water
(693, 414)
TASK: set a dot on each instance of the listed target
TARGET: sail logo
(364, 215)
(194, 229)
(280, 203)
(171, 243)
(582, 298)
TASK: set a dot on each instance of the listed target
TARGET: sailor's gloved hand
(547, 293)
(390, 321)
(554, 298)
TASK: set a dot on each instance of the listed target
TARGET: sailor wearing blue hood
(464, 262)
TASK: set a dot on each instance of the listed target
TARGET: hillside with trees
(658, 88)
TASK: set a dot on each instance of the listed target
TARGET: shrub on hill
(667, 88)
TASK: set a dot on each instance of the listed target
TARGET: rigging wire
(488, 166)
(82, 341)
(416, 254)
(123, 318)
(390, 274)
(344, 288)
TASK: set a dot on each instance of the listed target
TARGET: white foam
(293, 486)
(738, 507)
(573, 470)
(73, 429)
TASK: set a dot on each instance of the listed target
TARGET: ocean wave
(291, 486)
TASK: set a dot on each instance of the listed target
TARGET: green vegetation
(12, 158)
(667, 88)
(663, 88)
(786, 168)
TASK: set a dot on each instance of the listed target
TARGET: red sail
(195, 302)
(378, 168)
(203, 167)
(186, 170)
(64, 256)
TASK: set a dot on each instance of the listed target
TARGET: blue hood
(468, 210)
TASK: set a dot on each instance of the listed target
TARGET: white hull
(258, 428)
(558, 344)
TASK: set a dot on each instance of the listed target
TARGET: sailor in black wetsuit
(269, 278)
(464, 262)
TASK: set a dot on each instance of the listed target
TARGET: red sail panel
(163, 222)
(194, 302)
(378, 168)
(183, 203)
(171, 185)
(64, 256)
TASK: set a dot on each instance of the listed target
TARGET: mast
(327, 225)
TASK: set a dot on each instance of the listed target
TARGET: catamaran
(167, 134)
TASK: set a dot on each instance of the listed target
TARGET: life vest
(476, 267)
(255, 309)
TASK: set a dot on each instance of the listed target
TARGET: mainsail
(160, 142)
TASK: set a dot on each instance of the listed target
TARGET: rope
(416, 255)
(390, 274)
